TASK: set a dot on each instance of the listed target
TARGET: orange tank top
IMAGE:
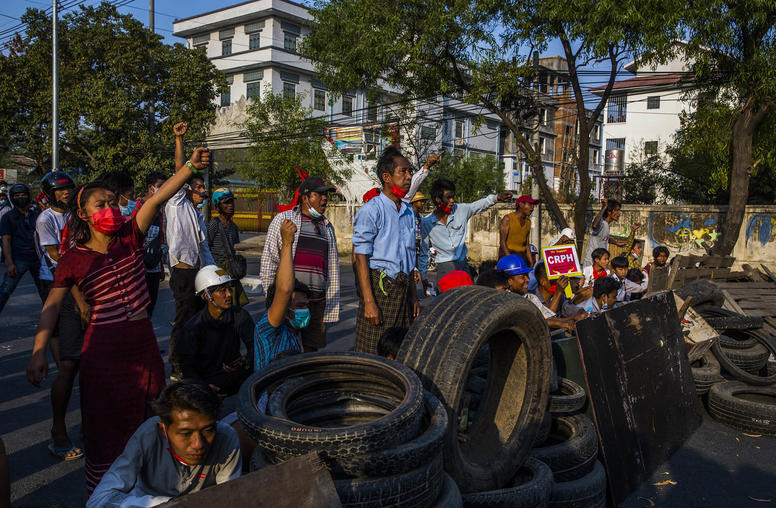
(517, 238)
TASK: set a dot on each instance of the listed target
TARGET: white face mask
(155, 188)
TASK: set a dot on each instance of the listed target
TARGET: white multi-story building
(254, 44)
(642, 114)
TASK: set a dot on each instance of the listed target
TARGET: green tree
(111, 69)
(481, 51)
(702, 155)
(647, 181)
(732, 45)
(284, 133)
(474, 177)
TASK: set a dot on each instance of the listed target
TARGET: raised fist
(180, 128)
(287, 232)
(434, 160)
(200, 158)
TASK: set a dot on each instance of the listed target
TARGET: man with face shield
(209, 348)
(17, 229)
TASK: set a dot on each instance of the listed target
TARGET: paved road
(717, 467)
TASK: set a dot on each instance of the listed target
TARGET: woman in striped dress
(121, 366)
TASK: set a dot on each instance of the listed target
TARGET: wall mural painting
(760, 230)
(684, 231)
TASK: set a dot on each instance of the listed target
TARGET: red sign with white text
(561, 260)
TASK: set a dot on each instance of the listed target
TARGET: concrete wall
(681, 228)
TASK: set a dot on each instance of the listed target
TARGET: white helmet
(210, 276)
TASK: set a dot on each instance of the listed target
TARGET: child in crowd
(660, 256)
(636, 276)
(604, 295)
(493, 279)
(627, 287)
(599, 268)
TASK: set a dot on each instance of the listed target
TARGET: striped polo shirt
(113, 283)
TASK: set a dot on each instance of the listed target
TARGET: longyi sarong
(393, 301)
(121, 373)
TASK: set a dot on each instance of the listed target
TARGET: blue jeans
(9, 283)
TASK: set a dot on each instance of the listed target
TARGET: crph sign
(561, 260)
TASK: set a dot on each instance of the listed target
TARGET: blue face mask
(3, 202)
(127, 210)
(201, 205)
(315, 213)
(301, 318)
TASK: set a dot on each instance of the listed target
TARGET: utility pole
(54, 93)
(152, 29)
(536, 225)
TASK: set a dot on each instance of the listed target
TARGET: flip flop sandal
(62, 453)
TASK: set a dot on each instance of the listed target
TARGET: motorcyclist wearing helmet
(517, 270)
(17, 229)
(222, 235)
(210, 347)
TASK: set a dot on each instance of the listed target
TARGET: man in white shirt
(58, 187)
(188, 250)
(181, 451)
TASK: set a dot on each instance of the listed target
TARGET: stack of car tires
(487, 357)
(736, 373)
(369, 419)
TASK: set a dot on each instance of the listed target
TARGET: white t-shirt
(48, 231)
(546, 311)
(587, 274)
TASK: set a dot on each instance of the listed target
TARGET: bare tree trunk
(743, 133)
(580, 205)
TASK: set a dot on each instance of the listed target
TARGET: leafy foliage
(701, 155)
(647, 181)
(111, 69)
(474, 177)
(284, 134)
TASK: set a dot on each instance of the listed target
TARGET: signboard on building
(9, 175)
(347, 139)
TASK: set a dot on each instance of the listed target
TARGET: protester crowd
(98, 253)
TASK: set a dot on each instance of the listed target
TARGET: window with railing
(289, 90)
(226, 47)
(347, 106)
(617, 109)
(653, 102)
(226, 97)
(319, 100)
(254, 41)
(650, 148)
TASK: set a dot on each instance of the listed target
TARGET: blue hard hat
(221, 195)
(512, 265)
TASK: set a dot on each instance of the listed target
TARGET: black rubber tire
(703, 292)
(739, 373)
(722, 319)
(754, 417)
(569, 397)
(705, 372)
(476, 384)
(418, 488)
(441, 346)
(572, 448)
(530, 490)
(341, 399)
(406, 456)
(555, 379)
(451, 494)
(736, 340)
(284, 439)
(751, 360)
(258, 460)
(586, 492)
(544, 429)
(329, 391)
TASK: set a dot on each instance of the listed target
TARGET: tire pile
(369, 419)
(736, 378)
(463, 418)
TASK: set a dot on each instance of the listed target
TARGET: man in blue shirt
(287, 307)
(384, 246)
(445, 228)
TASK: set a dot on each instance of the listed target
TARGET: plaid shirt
(270, 259)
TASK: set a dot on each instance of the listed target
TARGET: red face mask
(446, 208)
(108, 220)
(398, 192)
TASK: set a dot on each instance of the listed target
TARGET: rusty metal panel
(301, 482)
(640, 387)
